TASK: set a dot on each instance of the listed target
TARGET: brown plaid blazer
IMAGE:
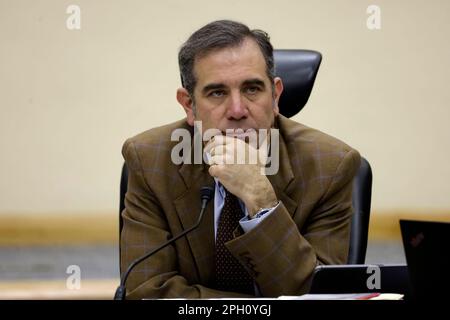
(311, 226)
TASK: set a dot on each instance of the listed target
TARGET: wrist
(259, 206)
(260, 195)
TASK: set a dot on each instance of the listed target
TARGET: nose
(237, 108)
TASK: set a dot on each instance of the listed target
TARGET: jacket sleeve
(281, 257)
(144, 228)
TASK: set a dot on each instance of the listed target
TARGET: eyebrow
(255, 81)
(215, 86)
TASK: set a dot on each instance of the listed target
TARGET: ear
(184, 98)
(278, 88)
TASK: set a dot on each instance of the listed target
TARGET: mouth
(237, 131)
(242, 134)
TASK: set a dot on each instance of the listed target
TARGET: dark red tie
(230, 274)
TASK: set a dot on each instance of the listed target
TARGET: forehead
(231, 65)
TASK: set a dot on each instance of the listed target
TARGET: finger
(222, 159)
(207, 158)
(215, 160)
(211, 151)
(240, 134)
(218, 150)
(222, 140)
(216, 170)
(219, 142)
(229, 140)
(212, 143)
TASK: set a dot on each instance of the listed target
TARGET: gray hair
(218, 35)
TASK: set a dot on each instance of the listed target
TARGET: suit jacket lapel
(284, 177)
(188, 205)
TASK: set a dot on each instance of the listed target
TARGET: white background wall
(68, 99)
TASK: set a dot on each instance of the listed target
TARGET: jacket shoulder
(158, 134)
(154, 143)
(313, 149)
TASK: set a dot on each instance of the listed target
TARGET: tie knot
(232, 207)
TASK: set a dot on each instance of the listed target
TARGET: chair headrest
(298, 70)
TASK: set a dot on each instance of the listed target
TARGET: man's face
(233, 90)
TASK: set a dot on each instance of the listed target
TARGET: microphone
(206, 194)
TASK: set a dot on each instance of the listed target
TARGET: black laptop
(352, 278)
(427, 251)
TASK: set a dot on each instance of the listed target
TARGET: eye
(217, 93)
(252, 90)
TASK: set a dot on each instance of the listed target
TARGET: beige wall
(68, 99)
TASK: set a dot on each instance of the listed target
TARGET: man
(263, 235)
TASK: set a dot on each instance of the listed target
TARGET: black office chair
(361, 198)
(298, 69)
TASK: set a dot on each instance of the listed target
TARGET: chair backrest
(361, 199)
(298, 70)
(123, 191)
